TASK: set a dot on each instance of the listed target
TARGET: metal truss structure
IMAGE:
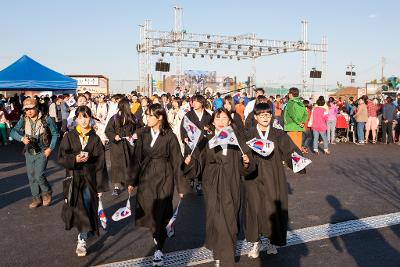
(179, 43)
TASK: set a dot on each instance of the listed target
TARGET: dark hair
(389, 99)
(294, 91)
(125, 115)
(88, 93)
(158, 110)
(229, 99)
(261, 98)
(177, 99)
(84, 110)
(262, 108)
(217, 113)
(259, 90)
(199, 98)
(320, 101)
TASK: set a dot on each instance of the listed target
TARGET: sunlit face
(143, 102)
(152, 120)
(175, 104)
(264, 119)
(227, 105)
(31, 112)
(83, 120)
(197, 105)
(221, 121)
(81, 101)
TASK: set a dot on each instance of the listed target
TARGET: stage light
(188, 50)
(215, 51)
(211, 56)
(208, 36)
(218, 56)
(185, 55)
(245, 53)
(201, 44)
(218, 45)
(238, 58)
(284, 50)
(269, 49)
(202, 55)
(251, 47)
(237, 52)
(162, 54)
(209, 45)
(239, 46)
(197, 50)
(230, 57)
(226, 52)
(194, 55)
(171, 54)
(206, 51)
(229, 46)
(260, 49)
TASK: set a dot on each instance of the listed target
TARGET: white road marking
(202, 255)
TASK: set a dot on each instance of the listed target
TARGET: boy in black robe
(266, 202)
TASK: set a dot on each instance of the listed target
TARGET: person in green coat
(295, 117)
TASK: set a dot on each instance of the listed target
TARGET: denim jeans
(87, 204)
(307, 139)
(35, 168)
(360, 131)
(331, 131)
(316, 135)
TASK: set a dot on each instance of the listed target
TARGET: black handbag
(68, 185)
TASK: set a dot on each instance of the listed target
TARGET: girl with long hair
(120, 130)
(157, 169)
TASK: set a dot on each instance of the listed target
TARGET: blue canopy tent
(27, 74)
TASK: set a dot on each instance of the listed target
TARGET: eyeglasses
(265, 116)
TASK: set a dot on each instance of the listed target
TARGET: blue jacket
(389, 112)
(17, 130)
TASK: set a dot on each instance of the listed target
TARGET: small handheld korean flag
(123, 212)
(260, 146)
(276, 125)
(225, 137)
(101, 214)
(131, 139)
(171, 224)
(71, 101)
(192, 131)
(299, 162)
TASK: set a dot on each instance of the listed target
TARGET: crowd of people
(152, 154)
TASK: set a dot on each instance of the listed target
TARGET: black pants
(387, 128)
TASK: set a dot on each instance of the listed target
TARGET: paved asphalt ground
(363, 180)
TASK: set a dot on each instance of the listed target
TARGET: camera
(33, 146)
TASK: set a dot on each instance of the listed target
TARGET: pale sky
(100, 37)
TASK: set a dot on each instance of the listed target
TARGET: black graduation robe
(221, 187)
(155, 172)
(121, 151)
(266, 201)
(91, 174)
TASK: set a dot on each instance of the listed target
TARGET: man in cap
(39, 134)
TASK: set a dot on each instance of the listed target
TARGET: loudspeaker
(315, 74)
(349, 73)
(162, 66)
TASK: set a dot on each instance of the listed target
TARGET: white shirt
(154, 136)
(199, 114)
(263, 136)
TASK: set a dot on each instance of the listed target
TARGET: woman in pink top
(319, 118)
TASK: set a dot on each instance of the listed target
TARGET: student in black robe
(250, 120)
(202, 119)
(266, 201)
(237, 120)
(222, 169)
(120, 127)
(156, 170)
(89, 181)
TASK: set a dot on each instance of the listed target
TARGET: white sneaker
(217, 263)
(158, 259)
(255, 250)
(271, 249)
(81, 248)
